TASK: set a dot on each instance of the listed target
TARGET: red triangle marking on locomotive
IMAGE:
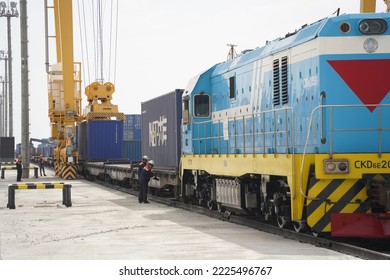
(368, 79)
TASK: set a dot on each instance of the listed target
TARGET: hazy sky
(162, 44)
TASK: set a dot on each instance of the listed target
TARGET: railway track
(375, 250)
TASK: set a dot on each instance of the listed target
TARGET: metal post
(11, 197)
(11, 127)
(68, 202)
(25, 91)
(64, 194)
(6, 98)
(3, 56)
(2, 108)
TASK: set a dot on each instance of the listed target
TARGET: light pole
(2, 81)
(8, 12)
(25, 89)
(3, 56)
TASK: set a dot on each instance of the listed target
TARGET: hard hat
(151, 162)
(145, 157)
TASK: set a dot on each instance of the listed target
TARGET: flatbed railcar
(297, 129)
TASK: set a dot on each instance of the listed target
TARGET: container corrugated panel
(161, 120)
(81, 134)
(103, 140)
(132, 122)
(132, 135)
(7, 148)
(132, 150)
(18, 150)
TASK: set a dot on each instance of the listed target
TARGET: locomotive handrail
(379, 129)
(202, 148)
(322, 98)
(288, 128)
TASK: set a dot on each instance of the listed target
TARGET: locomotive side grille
(276, 76)
(284, 81)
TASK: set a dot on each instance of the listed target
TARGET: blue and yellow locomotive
(298, 129)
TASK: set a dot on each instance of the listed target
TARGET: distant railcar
(298, 129)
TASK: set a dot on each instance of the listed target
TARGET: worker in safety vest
(41, 166)
(144, 179)
(19, 168)
(142, 164)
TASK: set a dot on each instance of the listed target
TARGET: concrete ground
(105, 224)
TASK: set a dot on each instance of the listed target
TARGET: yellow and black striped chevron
(328, 196)
(69, 172)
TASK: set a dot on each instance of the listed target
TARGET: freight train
(159, 128)
(297, 130)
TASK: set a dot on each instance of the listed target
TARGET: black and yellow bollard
(14, 168)
(66, 191)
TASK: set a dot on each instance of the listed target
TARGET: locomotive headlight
(364, 27)
(330, 166)
(342, 166)
(370, 45)
(372, 26)
(337, 166)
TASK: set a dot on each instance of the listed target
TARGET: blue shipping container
(132, 135)
(132, 150)
(133, 121)
(101, 139)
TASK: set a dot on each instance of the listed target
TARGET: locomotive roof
(323, 28)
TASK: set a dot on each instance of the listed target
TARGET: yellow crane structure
(64, 90)
(99, 106)
(369, 6)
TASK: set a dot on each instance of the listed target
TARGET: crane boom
(64, 91)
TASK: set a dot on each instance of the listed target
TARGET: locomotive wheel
(220, 208)
(211, 205)
(298, 226)
(281, 221)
